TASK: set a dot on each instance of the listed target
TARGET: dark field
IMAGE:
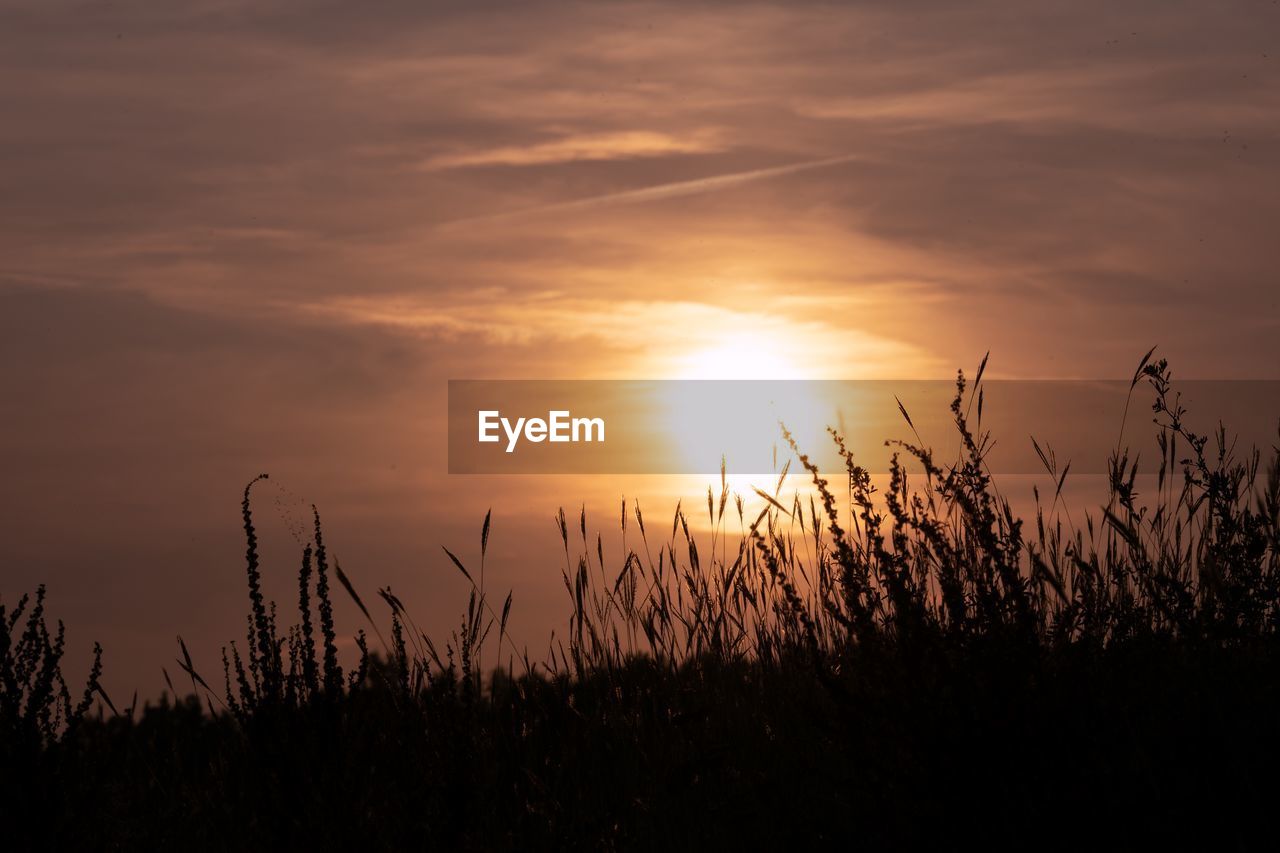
(919, 667)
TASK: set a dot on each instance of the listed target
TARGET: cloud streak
(660, 192)
(620, 145)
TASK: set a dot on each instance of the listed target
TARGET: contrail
(656, 193)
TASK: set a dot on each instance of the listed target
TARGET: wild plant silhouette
(886, 669)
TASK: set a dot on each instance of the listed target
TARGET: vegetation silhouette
(930, 669)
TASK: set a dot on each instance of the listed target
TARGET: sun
(735, 390)
(740, 356)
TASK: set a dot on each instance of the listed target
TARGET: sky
(239, 237)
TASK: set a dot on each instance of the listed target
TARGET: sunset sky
(258, 236)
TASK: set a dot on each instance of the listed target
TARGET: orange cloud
(621, 145)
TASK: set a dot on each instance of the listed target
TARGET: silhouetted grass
(929, 669)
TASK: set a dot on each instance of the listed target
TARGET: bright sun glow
(739, 420)
(740, 357)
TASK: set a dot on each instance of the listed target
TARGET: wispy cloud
(674, 189)
(621, 145)
(646, 338)
(1119, 95)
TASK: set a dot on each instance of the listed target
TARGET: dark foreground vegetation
(914, 666)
